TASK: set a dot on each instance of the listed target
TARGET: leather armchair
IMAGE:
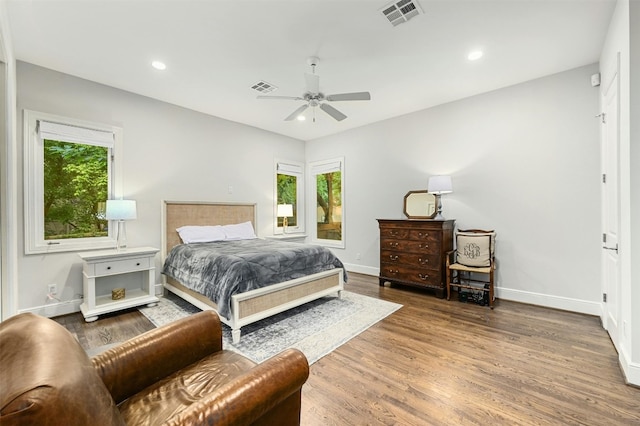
(177, 374)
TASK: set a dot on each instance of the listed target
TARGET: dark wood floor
(451, 363)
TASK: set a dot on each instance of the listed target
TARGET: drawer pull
(392, 272)
(393, 258)
(423, 261)
(393, 244)
(423, 277)
(424, 246)
(420, 234)
(393, 233)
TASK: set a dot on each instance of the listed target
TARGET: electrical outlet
(358, 256)
(52, 289)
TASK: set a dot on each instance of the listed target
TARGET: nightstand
(131, 269)
(293, 238)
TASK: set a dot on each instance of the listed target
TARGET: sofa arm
(269, 393)
(139, 362)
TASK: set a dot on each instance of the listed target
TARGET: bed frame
(253, 305)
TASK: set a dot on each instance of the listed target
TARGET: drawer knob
(393, 244)
(392, 272)
(420, 234)
(393, 233)
(423, 277)
(423, 261)
(424, 246)
(393, 258)
(138, 264)
(108, 267)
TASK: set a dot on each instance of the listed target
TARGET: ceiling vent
(264, 87)
(401, 11)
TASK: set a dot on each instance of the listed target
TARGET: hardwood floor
(435, 362)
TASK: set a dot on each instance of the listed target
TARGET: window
(290, 190)
(70, 172)
(327, 179)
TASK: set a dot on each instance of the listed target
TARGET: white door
(610, 209)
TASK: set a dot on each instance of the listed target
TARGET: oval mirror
(419, 205)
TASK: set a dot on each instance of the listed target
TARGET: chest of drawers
(412, 252)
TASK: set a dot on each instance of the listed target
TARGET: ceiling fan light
(301, 117)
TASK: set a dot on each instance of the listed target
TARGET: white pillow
(201, 234)
(239, 231)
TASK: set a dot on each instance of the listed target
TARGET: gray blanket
(221, 269)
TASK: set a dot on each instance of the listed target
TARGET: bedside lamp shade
(121, 210)
(437, 186)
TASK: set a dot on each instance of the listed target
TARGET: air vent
(264, 87)
(401, 11)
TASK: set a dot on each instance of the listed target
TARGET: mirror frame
(419, 193)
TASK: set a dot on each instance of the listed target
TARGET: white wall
(170, 153)
(623, 39)
(8, 149)
(524, 161)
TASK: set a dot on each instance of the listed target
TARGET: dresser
(413, 252)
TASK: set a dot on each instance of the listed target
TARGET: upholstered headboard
(181, 213)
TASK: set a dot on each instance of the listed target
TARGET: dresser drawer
(432, 237)
(409, 246)
(395, 233)
(121, 266)
(429, 261)
(427, 277)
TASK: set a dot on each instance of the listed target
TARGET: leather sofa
(177, 374)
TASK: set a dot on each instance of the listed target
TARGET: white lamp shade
(285, 210)
(440, 185)
(121, 210)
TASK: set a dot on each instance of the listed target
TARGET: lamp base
(122, 236)
(438, 208)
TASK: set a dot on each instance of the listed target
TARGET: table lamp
(437, 186)
(121, 210)
(285, 211)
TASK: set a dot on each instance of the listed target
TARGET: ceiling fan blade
(296, 113)
(291, 98)
(356, 96)
(313, 83)
(332, 112)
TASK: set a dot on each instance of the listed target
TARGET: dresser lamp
(121, 210)
(437, 186)
(285, 211)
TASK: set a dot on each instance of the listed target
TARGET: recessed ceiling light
(476, 54)
(158, 65)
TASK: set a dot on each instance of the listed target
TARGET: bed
(250, 306)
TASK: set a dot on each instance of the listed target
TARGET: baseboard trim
(550, 301)
(631, 370)
(361, 269)
(51, 310)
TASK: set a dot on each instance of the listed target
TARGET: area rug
(316, 328)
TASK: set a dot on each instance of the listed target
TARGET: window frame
(314, 167)
(34, 242)
(296, 169)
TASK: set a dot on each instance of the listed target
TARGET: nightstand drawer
(120, 266)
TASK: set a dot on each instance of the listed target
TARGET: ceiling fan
(314, 98)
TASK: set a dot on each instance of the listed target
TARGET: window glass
(329, 214)
(288, 194)
(289, 189)
(76, 187)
